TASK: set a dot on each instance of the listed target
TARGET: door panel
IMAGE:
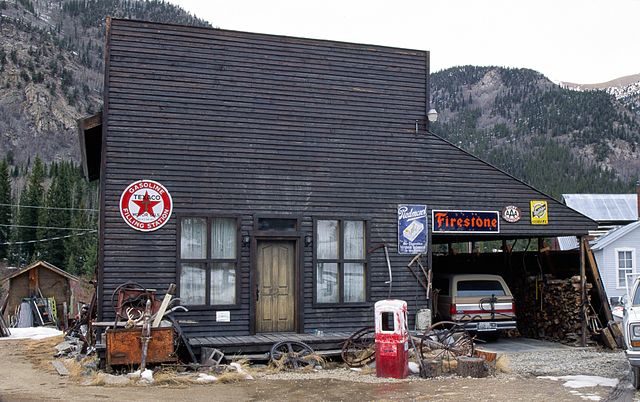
(275, 309)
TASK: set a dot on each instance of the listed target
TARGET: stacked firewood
(551, 309)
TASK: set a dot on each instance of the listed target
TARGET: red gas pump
(392, 339)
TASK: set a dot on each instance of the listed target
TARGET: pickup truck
(631, 330)
(481, 303)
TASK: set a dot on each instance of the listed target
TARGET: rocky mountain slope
(557, 139)
(51, 69)
(51, 74)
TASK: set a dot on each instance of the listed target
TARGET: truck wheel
(635, 372)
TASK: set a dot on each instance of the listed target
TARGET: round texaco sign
(146, 205)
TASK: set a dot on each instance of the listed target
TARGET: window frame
(617, 252)
(340, 261)
(208, 261)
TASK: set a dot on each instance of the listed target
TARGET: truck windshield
(636, 296)
(480, 288)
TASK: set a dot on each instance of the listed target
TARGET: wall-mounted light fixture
(246, 239)
(308, 240)
(432, 115)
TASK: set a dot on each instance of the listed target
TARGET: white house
(616, 254)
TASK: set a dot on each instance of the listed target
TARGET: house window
(624, 263)
(208, 261)
(340, 261)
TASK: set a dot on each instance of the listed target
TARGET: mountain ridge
(51, 74)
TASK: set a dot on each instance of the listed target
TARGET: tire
(635, 377)
(489, 336)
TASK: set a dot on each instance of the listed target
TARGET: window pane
(480, 288)
(193, 241)
(223, 238)
(353, 282)
(327, 239)
(280, 224)
(327, 283)
(622, 274)
(223, 283)
(192, 284)
(354, 240)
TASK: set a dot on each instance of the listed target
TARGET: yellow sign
(539, 213)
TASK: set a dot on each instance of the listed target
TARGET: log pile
(551, 309)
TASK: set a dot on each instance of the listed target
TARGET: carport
(555, 291)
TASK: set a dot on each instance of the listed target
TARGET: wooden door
(275, 305)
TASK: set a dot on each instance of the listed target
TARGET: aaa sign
(146, 205)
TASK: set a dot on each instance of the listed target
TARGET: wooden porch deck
(258, 346)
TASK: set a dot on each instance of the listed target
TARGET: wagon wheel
(446, 340)
(292, 354)
(359, 349)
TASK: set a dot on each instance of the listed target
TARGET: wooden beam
(33, 281)
(583, 290)
(594, 276)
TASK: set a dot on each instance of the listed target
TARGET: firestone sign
(466, 221)
(146, 205)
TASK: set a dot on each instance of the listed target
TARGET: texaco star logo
(146, 205)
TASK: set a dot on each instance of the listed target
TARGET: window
(624, 264)
(480, 288)
(208, 261)
(340, 261)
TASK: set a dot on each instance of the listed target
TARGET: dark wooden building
(286, 160)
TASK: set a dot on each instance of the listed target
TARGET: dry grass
(502, 364)
(96, 380)
(169, 377)
(231, 376)
(41, 352)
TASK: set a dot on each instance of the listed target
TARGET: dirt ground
(26, 375)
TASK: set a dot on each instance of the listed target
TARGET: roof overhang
(90, 135)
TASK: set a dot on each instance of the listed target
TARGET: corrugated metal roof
(604, 207)
(614, 235)
(568, 243)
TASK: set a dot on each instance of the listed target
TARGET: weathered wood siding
(243, 123)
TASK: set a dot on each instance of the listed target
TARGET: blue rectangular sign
(465, 221)
(412, 229)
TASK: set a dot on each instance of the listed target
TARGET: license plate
(487, 326)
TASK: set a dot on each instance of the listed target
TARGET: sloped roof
(43, 264)
(604, 207)
(614, 235)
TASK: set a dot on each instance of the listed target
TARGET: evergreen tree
(5, 208)
(56, 215)
(29, 213)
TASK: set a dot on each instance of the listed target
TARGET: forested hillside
(51, 74)
(556, 139)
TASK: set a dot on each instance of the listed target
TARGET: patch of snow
(240, 370)
(414, 368)
(147, 375)
(583, 381)
(206, 378)
(32, 333)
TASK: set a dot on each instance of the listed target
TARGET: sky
(579, 41)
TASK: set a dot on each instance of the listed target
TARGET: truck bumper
(633, 357)
(489, 326)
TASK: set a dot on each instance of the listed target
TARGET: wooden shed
(40, 280)
(287, 160)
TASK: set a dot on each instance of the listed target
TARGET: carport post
(583, 290)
